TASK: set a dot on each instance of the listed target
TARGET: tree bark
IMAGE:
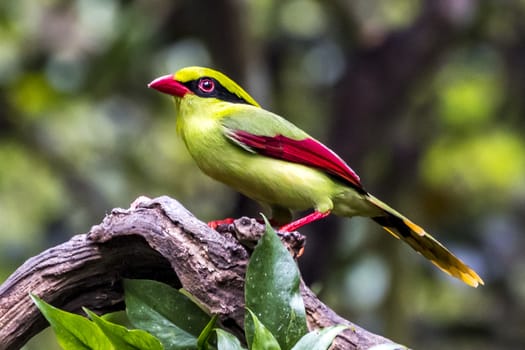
(154, 239)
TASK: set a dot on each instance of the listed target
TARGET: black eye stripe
(219, 92)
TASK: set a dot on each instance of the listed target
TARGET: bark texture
(155, 239)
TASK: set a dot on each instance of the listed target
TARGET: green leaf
(122, 338)
(164, 312)
(319, 339)
(272, 291)
(73, 331)
(262, 337)
(227, 341)
(205, 334)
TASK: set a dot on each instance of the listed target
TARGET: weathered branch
(155, 239)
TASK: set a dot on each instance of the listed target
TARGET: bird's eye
(206, 85)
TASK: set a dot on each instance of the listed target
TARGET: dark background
(424, 99)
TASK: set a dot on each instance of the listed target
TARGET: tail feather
(422, 242)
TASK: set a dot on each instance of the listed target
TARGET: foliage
(77, 332)
(272, 291)
(423, 98)
(164, 312)
(168, 319)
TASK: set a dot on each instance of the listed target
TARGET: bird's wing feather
(280, 139)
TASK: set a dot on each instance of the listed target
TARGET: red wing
(308, 152)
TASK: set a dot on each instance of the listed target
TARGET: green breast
(264, 179)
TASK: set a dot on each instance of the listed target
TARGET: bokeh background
(424, 99)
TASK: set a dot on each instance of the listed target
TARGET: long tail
(404, 229)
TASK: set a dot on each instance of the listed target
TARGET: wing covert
(307, 151)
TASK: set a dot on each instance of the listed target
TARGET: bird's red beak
(168, 85)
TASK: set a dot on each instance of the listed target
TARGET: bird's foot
(294, 241)
(216, 223)
(248, 232)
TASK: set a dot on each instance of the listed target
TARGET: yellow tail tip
(462, 272)
(472, 279)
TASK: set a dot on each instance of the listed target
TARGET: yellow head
(203, 82)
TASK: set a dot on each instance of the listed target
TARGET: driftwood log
(154, 239)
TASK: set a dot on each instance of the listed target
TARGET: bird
(267, 158)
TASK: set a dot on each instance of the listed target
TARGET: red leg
(294, 225)
(213, 224)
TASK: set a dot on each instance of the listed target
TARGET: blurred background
(424, 99)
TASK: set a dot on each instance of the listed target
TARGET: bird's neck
(197, 117)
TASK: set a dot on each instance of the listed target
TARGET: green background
(424, 99)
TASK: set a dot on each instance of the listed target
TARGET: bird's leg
(294, 225)
(213, 224)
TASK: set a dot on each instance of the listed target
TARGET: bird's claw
(216, 223)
